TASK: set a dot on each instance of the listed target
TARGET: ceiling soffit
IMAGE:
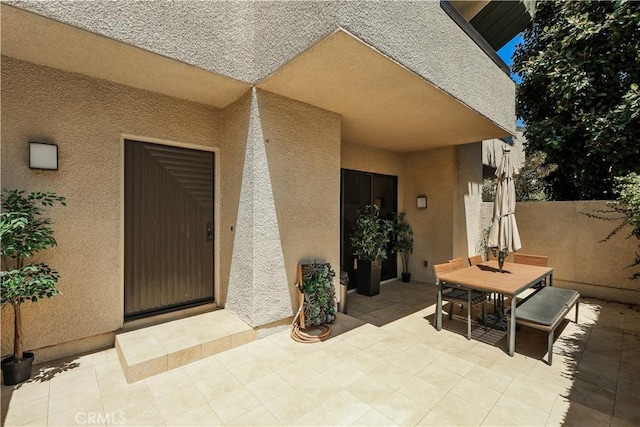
(33, 38)
(382, 103)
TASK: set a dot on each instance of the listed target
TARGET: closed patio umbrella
(504, 236)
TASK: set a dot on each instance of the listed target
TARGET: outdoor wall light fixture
(43, 156)
(421, 202)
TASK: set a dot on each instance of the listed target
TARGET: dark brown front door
(168, 228)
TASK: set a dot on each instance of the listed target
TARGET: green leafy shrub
(530, 182)
(628, 202)
(403, 239)
(626, 209)
(319, 293)
(371, 235)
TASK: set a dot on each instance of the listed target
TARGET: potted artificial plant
(369, 241)
(23, 233)
(403, 243)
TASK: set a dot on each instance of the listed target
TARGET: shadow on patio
(595, 378)
(402, 372)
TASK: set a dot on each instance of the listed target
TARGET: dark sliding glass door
(358, 190)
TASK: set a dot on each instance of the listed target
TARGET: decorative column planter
(369, 277)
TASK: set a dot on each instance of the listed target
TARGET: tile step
(152, 350)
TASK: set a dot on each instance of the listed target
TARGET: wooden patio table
(514, 279)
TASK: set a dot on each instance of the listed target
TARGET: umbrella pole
(501, 256)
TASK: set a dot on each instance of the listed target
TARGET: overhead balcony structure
(383, 104)
(34, 38)
(409, 82)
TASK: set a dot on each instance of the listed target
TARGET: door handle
(209, 232)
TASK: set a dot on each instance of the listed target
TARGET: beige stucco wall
(362, 158)
(449, 177)
(234, 122)
(268, 146)
(216, 36)
(288, 206)
(367, 159)
(302, 145)
(250, 40)
(467, 200)
(571, 240)
(86, 118)
(423, 38)
(432, 173)
(492, 150)
(261, 139)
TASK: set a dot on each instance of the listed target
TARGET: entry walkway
(402, 372)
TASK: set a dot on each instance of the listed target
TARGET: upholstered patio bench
(545, 309)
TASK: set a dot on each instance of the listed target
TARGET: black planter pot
(406, 277)
(369, 277)
(14, 373)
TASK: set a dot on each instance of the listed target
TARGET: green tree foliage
(403, 239)
(530, 182)
(371, 235)
(626, 210)
(628, 200)
(579, 96)
(24, 232)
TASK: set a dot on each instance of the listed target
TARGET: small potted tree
(369, 240)
(23, 233)
(403, 243)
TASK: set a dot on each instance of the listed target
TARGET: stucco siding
(250, 40)
(302, 145)
(216, 36)
(431, 173)
(572, 241)
(437, 233)
(288, 209)
(362, 158)
(235, 129)
(468, 199)
(284, 29)
(367, 159)
(86, 118)
(423, 38)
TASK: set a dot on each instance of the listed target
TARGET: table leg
(551, 279)
(469, 314)
(439, 308)
(512, 326)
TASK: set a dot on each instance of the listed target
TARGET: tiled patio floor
(402, 372)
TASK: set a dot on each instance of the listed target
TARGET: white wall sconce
(421, 202)
(43, 156)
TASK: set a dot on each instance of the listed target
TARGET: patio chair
(539, 260)
(457, 263)
(460, 296)
(475, 260)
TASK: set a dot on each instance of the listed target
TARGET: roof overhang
(500, 21)
(468, 8)
(497, 21)
(382, 103)
(33, 38)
